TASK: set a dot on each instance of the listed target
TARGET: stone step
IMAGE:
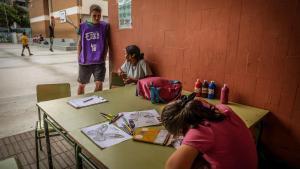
(58, 43)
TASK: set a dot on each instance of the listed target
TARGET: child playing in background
(24, 40)
(51, 32)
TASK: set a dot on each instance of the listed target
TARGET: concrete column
(14, 37)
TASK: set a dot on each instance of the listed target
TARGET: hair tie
(186, 98)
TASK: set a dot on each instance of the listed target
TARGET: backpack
(159, 90)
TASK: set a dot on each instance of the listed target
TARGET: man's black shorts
(85, 72)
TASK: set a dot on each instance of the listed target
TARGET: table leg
(259, 134)
(87, 161)
(47, 141)
(259, 146)
(78, 158)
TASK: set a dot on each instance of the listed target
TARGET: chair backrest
(116, 80)
(10, 163)
(46, 92)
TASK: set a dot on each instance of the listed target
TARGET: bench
(58, 43)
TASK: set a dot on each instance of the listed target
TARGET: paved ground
(19, 77)
(22, 148)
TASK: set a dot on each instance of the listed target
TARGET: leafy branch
(11, 14)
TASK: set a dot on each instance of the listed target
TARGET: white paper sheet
(141, 118)
(87, 101)
(105, 134)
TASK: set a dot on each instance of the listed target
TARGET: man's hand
(79, 47)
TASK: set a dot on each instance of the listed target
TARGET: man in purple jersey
(92, 49)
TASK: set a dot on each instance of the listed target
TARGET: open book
(86, 101)
(153, 135)
(156, 135)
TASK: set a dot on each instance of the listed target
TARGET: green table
(128, 154)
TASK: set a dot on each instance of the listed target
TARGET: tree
(13, 14)
(23, 15)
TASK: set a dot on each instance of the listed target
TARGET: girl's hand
(127, 80)
(204, 102)
(130, 80)
(123, 75)
(208, 105)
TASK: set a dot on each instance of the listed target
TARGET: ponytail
(141, 56)
(135, 50)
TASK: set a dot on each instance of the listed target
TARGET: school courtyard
(18, 113)
(19, 77)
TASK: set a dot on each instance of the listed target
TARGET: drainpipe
(79, 3)
(50, 9)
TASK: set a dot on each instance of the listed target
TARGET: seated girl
(135, 67)
(214, 133)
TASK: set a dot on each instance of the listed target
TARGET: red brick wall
(60, 5)
(38, 8)
(253, 46)
(66, 30)
(40, 28)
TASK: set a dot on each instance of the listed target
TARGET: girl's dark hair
(178, 117)
(96, 8)
(134, 50)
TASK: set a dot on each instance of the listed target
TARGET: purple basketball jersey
(93, 41)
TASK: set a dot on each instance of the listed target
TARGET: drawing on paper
(105, 134)
(100, 135)
(141, 118)
(145, 116)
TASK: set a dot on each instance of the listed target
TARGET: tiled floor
(22, 147)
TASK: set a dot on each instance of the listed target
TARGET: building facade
(239, 43)
(67, 14)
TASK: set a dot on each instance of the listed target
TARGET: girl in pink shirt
(213, 133)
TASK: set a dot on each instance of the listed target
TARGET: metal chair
(45, 92)
(116, 80)
(10, 163)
